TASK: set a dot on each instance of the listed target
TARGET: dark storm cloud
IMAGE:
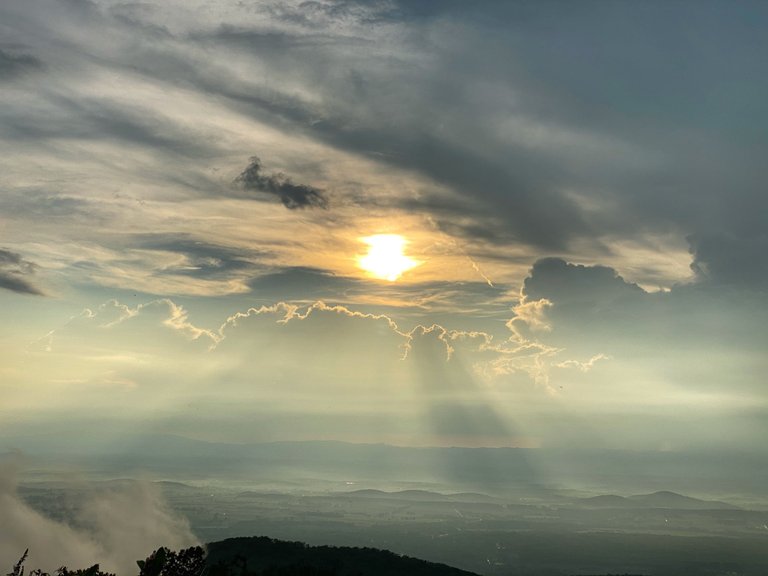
(15, 64)
(292, 195)
(15, 272)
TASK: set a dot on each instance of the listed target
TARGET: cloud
(563, 283)
(289, 371)
(131, 520)
(292, 195)
(136, 354)
(527, 156)
(14, 64)
(121, 525)
(131, 327)
(302, 361)
(200, 258)
(165, 264)
(582, 366)
(529, 315)
(704, 337)
(84, 118)
(731, 260)
(538, 156)
(14, 271)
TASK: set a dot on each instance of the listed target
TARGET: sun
(385, 258)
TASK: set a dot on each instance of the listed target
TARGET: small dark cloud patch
(13, 65)
(293, 196)
(14, 271)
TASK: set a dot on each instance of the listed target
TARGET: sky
(189, 192)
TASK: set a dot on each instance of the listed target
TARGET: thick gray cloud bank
(552, 123)
(556, 127)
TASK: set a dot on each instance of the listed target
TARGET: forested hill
(266, 556)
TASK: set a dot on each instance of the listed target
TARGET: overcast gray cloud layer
(552, 123)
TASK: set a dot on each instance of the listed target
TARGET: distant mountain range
(520, 472)
(662, 499)
(419, 496)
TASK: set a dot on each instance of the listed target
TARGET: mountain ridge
(661, 499)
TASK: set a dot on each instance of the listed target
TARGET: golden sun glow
(385, 258)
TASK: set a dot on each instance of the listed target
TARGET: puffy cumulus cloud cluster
(284, 361)
(585, 349)
(122, 524)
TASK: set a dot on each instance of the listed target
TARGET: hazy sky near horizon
(186, 190)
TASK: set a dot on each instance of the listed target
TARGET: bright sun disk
(385, 258)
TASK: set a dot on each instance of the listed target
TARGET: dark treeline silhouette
(162, 562)
(269, 557)
(262, 556)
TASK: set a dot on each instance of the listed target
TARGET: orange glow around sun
(385, 258)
